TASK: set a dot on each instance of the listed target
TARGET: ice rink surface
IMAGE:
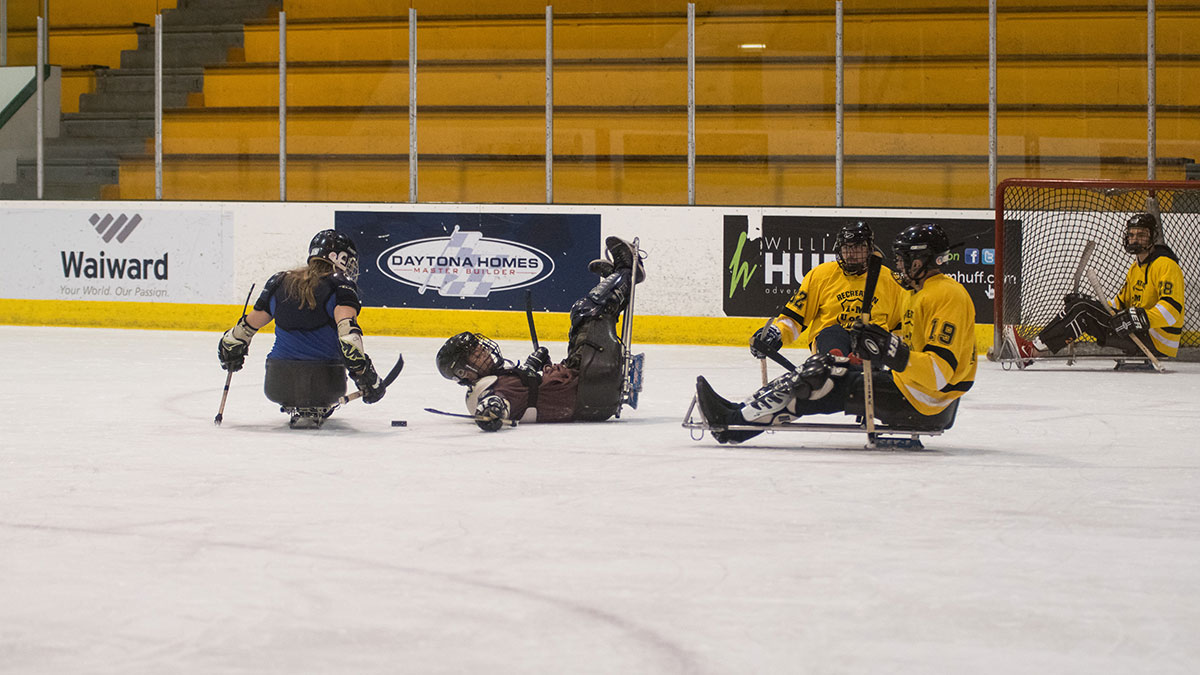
(1054, 529)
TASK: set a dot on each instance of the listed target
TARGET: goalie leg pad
(304, 384)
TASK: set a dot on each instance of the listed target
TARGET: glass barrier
(1071, 100)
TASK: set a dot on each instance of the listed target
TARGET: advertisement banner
(760, 275)
(472, 260)
(139, 255)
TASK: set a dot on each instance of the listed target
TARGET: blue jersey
(303, 333)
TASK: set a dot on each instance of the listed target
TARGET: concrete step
(27, 189)
(129, 102)
(141, 80)
(189, 37)
(197, 55)
(71, 172)
(211, 13)
(108, 125)
(96, 148)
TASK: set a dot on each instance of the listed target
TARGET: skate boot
(720, 413)
(618, 255)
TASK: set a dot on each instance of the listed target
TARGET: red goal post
(1043, 230)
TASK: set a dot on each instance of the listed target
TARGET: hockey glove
(491, 411)
(368, 382)
(1127, 322)
(766, 340)
(873, 343)
(537, 361)
(234, 345)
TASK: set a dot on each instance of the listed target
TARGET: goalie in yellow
(830, 299)
(1149, 304)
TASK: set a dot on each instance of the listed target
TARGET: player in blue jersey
(317, 338)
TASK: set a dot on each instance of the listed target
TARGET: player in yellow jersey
(929, 363)
(829, 300)
(1149, 304)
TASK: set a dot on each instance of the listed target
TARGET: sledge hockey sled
(886, 437)
(633, 364)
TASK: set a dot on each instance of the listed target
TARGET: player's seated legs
(595, 351)
(835, 340)
(814, 389)
(312, 385)
(1080, 316)
(892, 408)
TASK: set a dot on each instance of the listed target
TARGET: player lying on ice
(831, 295)
(929, 363)
(585, 386)
(1149, 305)
(317, 338)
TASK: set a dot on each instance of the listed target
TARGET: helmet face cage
(926, 244)
(466, 357)
(1143, 221)
(852, 235)
(338, 249)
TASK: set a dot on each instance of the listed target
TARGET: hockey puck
(399, 423)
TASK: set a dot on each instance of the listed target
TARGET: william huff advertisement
(761, 274)
(138, 255)
(472, 260)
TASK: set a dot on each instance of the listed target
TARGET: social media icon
(989, 256)
(972, 256)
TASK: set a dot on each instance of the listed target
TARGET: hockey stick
(762, 360)
(229, 376)
(1091, 275)
(477, 418)
(873, 265)
(387, 381)
(529, 317)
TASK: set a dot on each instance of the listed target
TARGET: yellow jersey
(829, 296)
(938, 325)
(1157, 287)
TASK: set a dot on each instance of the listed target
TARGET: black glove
(872, 343)
(1072, 298)
(537, 361)
(234, 345)
(766, 340)
(1132, 321)
(491, 411)
(368, 382)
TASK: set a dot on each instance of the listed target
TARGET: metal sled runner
(886, 437)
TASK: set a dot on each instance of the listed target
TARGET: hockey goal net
(1043, 230)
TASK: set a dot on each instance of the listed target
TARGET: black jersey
(307, 333)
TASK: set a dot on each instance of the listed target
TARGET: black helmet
(1141, 220)
(927, 244)
(338, 249)
(466, 357)
(849, 235)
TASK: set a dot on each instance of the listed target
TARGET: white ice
(1054, 529)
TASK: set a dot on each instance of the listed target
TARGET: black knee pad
(304, 384)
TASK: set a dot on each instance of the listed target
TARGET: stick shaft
(874, 264)
(529, 317)
(229, 376)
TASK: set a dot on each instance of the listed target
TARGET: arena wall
(189, 265)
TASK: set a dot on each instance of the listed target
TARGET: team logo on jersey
(465, 265)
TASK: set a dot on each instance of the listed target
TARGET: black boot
(621, 253)
(720, 413)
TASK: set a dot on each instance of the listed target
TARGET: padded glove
(766, 340)
(1127, 322)
(873, 343)
(234, 345)
(491, 411)
(368, 382)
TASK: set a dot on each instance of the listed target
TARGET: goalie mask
(859, 238)
(1135, 242)
(466, 357)
(338, 249)
(919, 251)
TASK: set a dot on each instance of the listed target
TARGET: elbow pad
(350, 341)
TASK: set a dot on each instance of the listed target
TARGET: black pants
(1080, 317)
(304, 384)
(891, 407)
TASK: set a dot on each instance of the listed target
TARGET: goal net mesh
(1043, 229)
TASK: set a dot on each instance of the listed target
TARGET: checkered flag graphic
(451, 284)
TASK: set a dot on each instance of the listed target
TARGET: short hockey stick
(478, 418)
(1091, 275)
(762, 360)
(229, 376)
(529, 317)
(387, 381)
(873, 265)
